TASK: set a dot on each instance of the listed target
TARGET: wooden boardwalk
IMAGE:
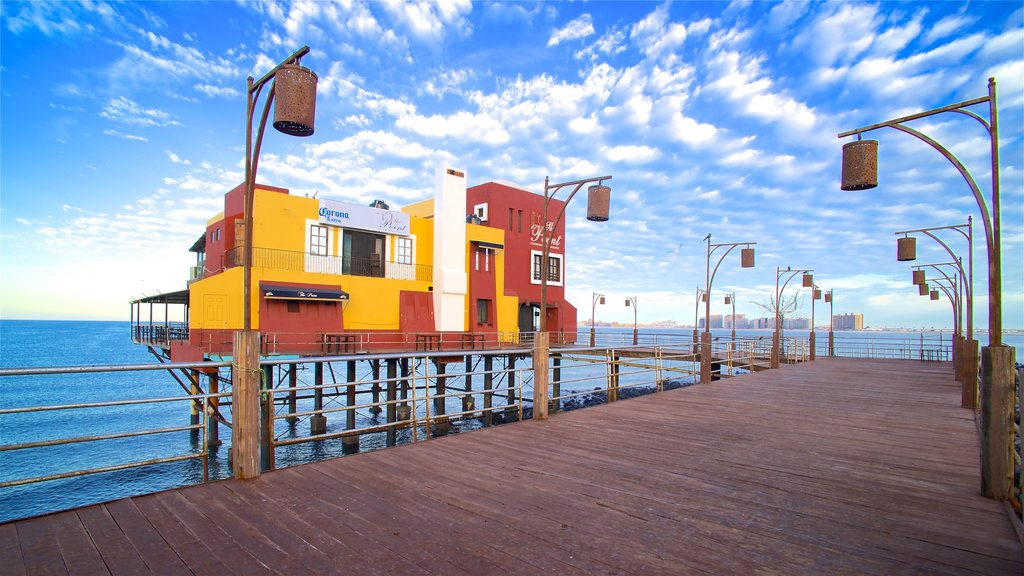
(840, 466)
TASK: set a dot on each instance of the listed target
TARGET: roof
(179, 297)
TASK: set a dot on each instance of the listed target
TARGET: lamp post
(860, 172)
(807, 282)
(731, 299)
(598, 200)
(830, 299)
(815, 295)
(746, 261)
(595, 300)
(700, 297)
(632, 301)
(294, 112)
(965, 350)
(949, 281)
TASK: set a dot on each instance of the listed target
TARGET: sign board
(347, 215)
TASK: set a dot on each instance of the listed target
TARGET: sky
(123, 125)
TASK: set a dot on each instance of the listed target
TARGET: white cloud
(632, 154)
(217, 91)
(118, 134)
(948, 26)
(125, 111)
(175, 158)
(579, 28)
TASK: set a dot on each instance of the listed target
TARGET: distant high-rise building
(848, 322)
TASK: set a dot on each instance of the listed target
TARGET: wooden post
(613, 379)
(510, 370)
(392, 389)
(540, 376)
(705, 357)
(213, 428)
(488, 383)
(318, 422)
(776, 350)
(375, 394)
(468, 403)
(245, 405)
(293, 382)
(813, 346)
(831, 343)
(439, 388)
(267, 419)
(556, 382)
(350, 444)
(969, 393)
(997, 368)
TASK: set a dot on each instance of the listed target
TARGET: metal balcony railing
(374, 267)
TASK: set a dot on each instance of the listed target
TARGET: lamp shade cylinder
(704, 297)
(817, 294)
(828, 297)
(598, 202)
(295, 100)
(628, 303)
(601, 300)
(906, 249)
(860, 165)
(922, 288)
(918, 277)
(747, 258)
(728, 299)
(808, 280)
(934, 294)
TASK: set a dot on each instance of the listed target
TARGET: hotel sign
(347, 215)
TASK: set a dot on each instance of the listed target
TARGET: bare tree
(779, 311)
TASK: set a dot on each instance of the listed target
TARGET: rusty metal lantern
(860, 165)
(828, 297)
(598, 202)
(922, 288)
(747, 258)
(918, 276)
(601, 300)
(935, 295)
(704, 297)
(295, 100)
(728, 299)
(906, 248)
(808, 280)
(817, 294)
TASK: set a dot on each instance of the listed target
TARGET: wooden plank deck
(840, 466)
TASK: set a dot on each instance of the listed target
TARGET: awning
(319, 293)
(179, 297)
(489, 245)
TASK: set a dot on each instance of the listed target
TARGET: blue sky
(123, 126)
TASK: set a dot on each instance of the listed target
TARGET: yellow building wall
(506, 307)
(280, 223)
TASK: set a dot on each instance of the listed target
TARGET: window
(484, 255)
(483, 311)
(403, 250)
(554, 268)
(318, 240)
(481, 211)
(519, 222)
(293, 307)
(217, 234)
(510, 211)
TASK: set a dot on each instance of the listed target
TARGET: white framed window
(553, 268)
(319, 237)
(403, 250)
(481, 211)
(482, 259)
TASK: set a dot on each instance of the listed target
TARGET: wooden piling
(488, 383)
(556, 382)
(375, 387)
(267, 419)
(293, 382)
(391, 395)
(245, 396)
(439, 388)
(213, 427)
(540, 376)
(318, 421)
(350, 442)
(997, 369)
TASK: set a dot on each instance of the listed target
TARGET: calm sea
(27, 343)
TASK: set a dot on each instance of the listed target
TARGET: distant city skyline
(123, 128)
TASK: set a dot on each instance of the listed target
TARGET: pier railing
(349, 400)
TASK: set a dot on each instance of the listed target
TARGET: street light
(965, 351)
(598, 200)
(632, 300)
(595, 300)
(815, 295)
(807, 282)
(860, 172)
(947, 281)
(295, 88)
(830, 299)
(731, 299)
(746, 261)
(948, 285)
(701, 296)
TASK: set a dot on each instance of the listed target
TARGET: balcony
(374, 267)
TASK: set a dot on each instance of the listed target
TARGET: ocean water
(25, 343)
